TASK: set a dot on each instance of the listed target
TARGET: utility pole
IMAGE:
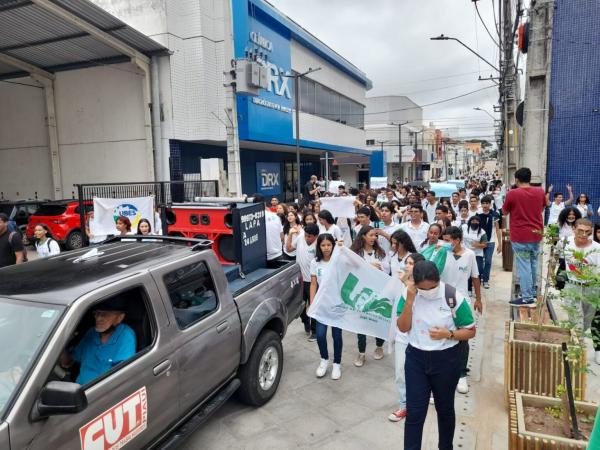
(400, 168)
(536, 116)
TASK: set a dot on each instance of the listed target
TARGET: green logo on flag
(365, 300)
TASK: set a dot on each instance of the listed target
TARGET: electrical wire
(484, 25)
(496, 25)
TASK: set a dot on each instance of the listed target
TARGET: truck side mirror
(61, 397)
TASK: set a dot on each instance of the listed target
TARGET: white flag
(355, 296)
(108, 210)
(339, 206)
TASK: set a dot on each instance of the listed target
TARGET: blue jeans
(526, 261)
(427, 372)
(479, 260)
(488, 254)
(336, 333)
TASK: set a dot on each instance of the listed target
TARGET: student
(363, 217)
(144, 228)
(274, 233)
(558, 204)
(460, 266)
(434, 234)
(367, 247)
(490, 223)
(476, 240)
(123, 225)
(455, 203)
(566, 222)
(305, 246)
(432, 356)
(384, 233)
(430, 205)
(308, 218)
(400, 340)
(474, 205)
(401, 248)
(583, 205)
(45, 246)
(327, 225)
(292, 221)
(463, 214)
(416, 227)
(318, 267)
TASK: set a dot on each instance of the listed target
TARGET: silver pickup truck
(203, 331)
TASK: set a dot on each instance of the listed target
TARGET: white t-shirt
(458, 270)
(294, 244)
(318, 268)
(304, 255)
(459, 222)
(417, 234)
(429, 313)
(455, 208)
(430, 210)
(471, 237)
(591, 257)
(389, 229)
(555, 212)
(274, 229)
(397, 264)
(334, 230)
(583, 209)
(48, 248)
(373, 258)
(566, 231)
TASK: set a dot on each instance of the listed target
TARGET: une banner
(108, 210)
(355, 296)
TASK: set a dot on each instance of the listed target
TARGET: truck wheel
(74, 240)
(260, 376)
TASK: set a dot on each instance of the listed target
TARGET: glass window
(307, 95)
(322, 101)
(335, 107)
(24, 327)
(51, 210)
(192, 293)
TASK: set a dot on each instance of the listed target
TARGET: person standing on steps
(525, 204)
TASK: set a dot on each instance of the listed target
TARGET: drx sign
(268, 178)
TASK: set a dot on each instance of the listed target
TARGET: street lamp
(441, 37)
(296, 78)
(400, 169)
(485, 111)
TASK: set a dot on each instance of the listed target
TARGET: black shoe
(521, 302)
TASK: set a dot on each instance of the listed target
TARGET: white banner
(378, 182)
(108, 210)
(339, 206)
(355, 296)
(333, 186)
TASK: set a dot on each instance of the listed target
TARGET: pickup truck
(203, 332)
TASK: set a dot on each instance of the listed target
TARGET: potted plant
(538, 422)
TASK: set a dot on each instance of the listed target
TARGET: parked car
(203, 332)
(20, 211)
(63, 219)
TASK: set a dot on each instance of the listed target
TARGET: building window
(370, 141)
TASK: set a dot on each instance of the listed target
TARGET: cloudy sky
(389, 41)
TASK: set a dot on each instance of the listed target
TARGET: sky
(389, 41)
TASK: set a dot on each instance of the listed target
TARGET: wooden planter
(537, 367)
(521, 439)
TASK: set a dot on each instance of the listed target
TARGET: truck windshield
(24, 327)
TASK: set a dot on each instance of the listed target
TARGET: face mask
(447, 245)
(570, 220)
(474, 226)
(430, 294)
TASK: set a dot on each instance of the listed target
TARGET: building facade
(204, 38)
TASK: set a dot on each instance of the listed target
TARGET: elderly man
(109, 343)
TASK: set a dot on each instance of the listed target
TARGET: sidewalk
(352, 413)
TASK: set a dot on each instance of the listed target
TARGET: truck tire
(260, 376)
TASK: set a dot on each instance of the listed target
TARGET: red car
(63, 219)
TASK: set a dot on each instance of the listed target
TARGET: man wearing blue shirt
(109, 343)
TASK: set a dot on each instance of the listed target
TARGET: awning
(56, 35)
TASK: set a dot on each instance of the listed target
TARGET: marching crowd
(441, 250)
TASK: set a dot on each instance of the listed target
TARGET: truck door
(208, 336)
(133, 402)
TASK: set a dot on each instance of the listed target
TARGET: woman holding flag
(318, 267)
(367, 247)
(436, 318)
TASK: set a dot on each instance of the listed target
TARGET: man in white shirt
(474, 207)
(454, 202)
(582, 254)
(558, 204)
(306, 247)
(430, 205)
(416, 227)
(274, 233)
(384, 233)
(461, 265)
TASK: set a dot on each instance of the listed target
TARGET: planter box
(519, 438)
(537, 367)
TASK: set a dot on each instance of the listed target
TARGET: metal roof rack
(198, 244)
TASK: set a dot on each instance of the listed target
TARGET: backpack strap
(450, 294)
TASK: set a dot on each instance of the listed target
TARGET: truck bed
(239, 285)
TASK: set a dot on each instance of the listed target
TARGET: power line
(484, 25)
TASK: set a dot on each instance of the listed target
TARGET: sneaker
(431, 400)
(521, 302)
(397, 416)
(597, 357)
(312, 337)
(462, 387)
(322, 369)
(360, 360)
(336, 372)
(378, 353)
(486, 285)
